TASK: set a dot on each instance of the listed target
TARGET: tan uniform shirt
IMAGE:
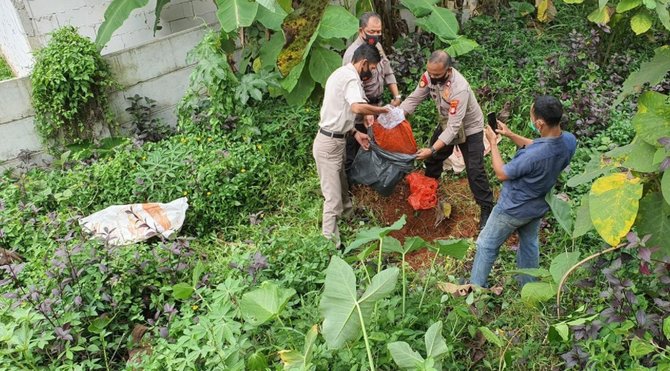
(383, 75)
(455, 101)
(343, 89)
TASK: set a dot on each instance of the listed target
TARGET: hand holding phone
(493, 121)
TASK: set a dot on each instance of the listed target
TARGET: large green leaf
(264, 303)
(299, 95)
(368, 235)
(271, 19)
(271, 49)
(454, 248)
(665, 186)
(270, 5)
(534, 292)
(322, 62)
(117, 12)
(640, 157)
(404, 356)
(641, 22)
(436, 346)
(562, 263)
(651, 72)
(419, 8)
(639, 348)
(663, 16)
(289, 83)
(340, 304)
(337, 22)
(583, 222)
(613, 201)
(442, 22)
(461, 46)
(413, 244)
(157, 12)
(561, 210)
(654, 219)
(626, 5)
(652, 120)
(234, 14)
(594, 168)
(391, 244)
(600, 16)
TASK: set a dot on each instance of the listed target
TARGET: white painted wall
(41, 17)
(13, 42)
(156, 69)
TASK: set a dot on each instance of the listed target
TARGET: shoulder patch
(453, 106)
(424, 81)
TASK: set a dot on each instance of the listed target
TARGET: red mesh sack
(399, 139)
(423, 191)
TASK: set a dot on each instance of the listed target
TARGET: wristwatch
(399, 96)
(432, 151)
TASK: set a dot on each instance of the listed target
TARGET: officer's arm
(414, 99)
(458, 106)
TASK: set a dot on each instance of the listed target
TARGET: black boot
(485, 211)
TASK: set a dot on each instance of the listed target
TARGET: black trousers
(352, 148)
(473, 154)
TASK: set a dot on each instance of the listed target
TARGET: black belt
(331, 135)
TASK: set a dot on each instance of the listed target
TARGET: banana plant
(366, 236)
(344, 312)
(411, 244)
(408, 359)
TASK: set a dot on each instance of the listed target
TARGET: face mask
(373, 39)
(365, 75)
(531, 124)
(439, 80)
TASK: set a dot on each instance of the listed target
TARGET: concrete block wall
(15, 47)
(156, 69)
(40, 17)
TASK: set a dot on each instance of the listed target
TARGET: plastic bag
(423, 191)
(399, 139)
(128, 224)
(393, 118)
(379, 168)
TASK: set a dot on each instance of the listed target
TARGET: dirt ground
(462, 223)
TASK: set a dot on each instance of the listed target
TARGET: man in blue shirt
(526, 180)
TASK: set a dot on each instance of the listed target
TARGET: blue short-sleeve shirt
(532, 173)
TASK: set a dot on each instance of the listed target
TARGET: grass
(5, 71)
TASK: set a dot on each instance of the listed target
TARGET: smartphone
(493, 121)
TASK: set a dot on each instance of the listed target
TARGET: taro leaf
(546, 11)
(652, 120)
(583, 222)
(322, 62)
(663, 16)
(461, 46)
(651, 72)
(310, 339)
(561, 211)
(559, 332)
(299, 95)
(182, 291)
(337, 22)
(533, 272)
(340, 303)
(264, 303)
(294, 360)
(654, 219)
(600, 16)
(594, 168)
(665, 186)
(272, 19)
(640, 157)
(534, 292)
(454, 248)
(436, 346)
(271, 49)
(234, 14)
(666, 327)
(562, 263)
(413, 244)
(614, 201)
(117, 12)
(404, 356)
(392, 245)
(641, 22)
(419, 8)
(442, 22)
(375, 233)
(639, 348)
(491, 337)
(626, 5)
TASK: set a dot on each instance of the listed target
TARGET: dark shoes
(485, 212)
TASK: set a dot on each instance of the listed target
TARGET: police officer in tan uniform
(461, 123)
(343, 99)
(370, 32)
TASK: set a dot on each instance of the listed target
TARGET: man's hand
(423, 153)
(396, 102)
(363, 140)
(503, 129)
(490, 135)
(368, 120)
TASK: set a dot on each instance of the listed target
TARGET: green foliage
(70, 82)
(5, 72)
(116, 13)
(642, 19)
(265, 303)
(436, 349)
(547, 287)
